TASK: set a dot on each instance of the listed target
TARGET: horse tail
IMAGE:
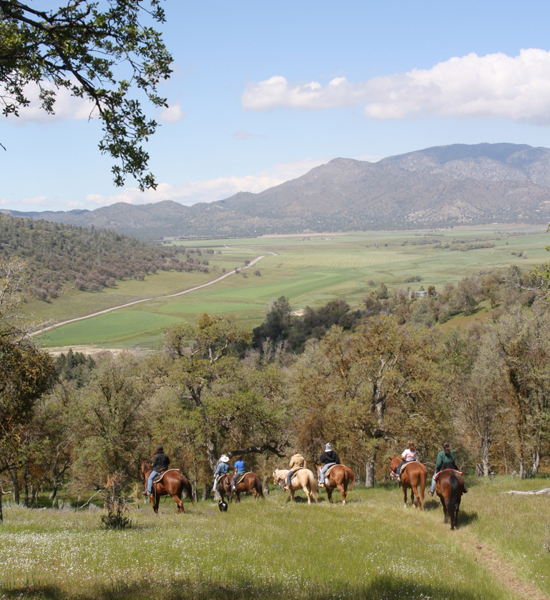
(258, 486)
(453, 497)
(312, 483)
(188, 488)
(351, 478)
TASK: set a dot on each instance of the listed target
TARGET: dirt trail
(108, 310)
(502, 570)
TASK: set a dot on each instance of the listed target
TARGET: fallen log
(532, 493)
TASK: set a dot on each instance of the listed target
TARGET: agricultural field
(308, 270)
(369, 549)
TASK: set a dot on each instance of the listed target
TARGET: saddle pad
(158, 478)
(296, 472)
(327, 472)
(241, 478)
(447, 471)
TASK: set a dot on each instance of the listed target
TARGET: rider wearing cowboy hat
(221, 469)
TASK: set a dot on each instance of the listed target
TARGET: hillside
(88, 259)
(436, 187)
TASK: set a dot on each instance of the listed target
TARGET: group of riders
(445, 460)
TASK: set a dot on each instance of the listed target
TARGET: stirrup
(321, 484)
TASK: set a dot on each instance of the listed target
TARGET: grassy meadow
(369, 549)
(309, 270)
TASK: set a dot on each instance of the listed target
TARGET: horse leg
(342, 491)
(443, 503)
(237, 495)
(416, 497)
(329, 493)
(405, 495)
(308, 493)
(178, 501)
(291, 494)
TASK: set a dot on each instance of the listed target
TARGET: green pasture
(369, 549)
(309, 270)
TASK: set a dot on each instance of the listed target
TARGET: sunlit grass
(370, 548)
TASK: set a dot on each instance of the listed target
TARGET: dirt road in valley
(134, 302)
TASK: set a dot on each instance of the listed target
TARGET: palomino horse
(172, 484)
(340, 477)
(302, 480)
(412, 477)
(249, 483)
(449, 487)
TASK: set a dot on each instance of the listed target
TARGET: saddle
(436, 477)
(296, 472)
(241, 478)
(327, 472)
(158, 478)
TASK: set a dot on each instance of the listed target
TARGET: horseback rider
(296, 463)
(239, 470)
(221, 469)
(445, 460)
(328, 458)
(409, 454)
(160, 464)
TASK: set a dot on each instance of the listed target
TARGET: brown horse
(340, 477)
(249, 483)
(172, 484)
(413, 477)
(449, 487)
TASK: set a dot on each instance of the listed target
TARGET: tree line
(366, 382)
(61, 256)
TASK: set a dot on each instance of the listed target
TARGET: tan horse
(340, 477)
(303, 480)
(413, 477)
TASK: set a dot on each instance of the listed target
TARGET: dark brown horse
(449, 486)
(249, 483)
(413, 477)
(340, 477)
(172, 484)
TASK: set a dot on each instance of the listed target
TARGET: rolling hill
(436, 187)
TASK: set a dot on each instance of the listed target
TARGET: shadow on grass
(388, 588)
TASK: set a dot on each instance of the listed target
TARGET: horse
(249, 483)
(173, 484)
(302, 480)
(413, 476)
(449, 487)
(340, 477)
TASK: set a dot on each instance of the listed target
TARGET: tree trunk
(536, 461)
(369, 478)
(212, 455)
(479, 470)
(521, 467)
(265, 485)
(26, 480)
(1, 512)
(205, 491)
(485, 456)
(55, 485)
(15, 481)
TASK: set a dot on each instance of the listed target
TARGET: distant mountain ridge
(435, 187)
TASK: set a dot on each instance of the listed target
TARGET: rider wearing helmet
(328, 458)
(160, 463)
(221, 469)
(297, 462)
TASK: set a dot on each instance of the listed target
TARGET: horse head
(277, 478)
(145, 466)
(394, 463)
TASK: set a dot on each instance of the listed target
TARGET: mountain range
(436, 187)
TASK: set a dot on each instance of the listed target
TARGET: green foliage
(91, 259)
(98, 55)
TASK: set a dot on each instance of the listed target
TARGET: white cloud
(66, 107)
(244, 135)
(278, 92)
(495, 85)
(171, 114)
(209, 190)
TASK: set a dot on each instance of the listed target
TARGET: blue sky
(262, 92)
